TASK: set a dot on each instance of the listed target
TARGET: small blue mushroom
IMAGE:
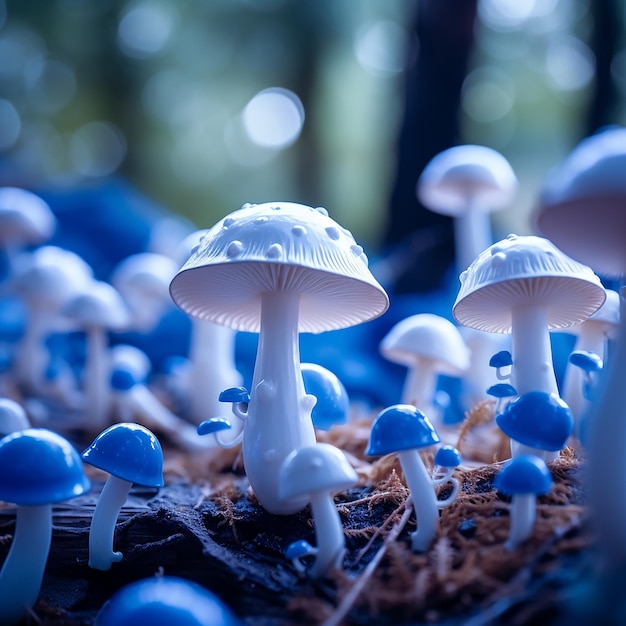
(165, 601)
(404, 429)
(501, 360)
(538, 423)
(501, 392)
(130, 453)
(37, 469)
(239, 398)
(333, 403)
(296, 550)
(524, 478)
(591, 364)
(447, 459)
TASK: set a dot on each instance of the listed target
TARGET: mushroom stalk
(110, 502)
(279, 412)
(95, 385)
(23, 569)
(607, 433)
(424, 500)
(533, 369)
(522, 518)
(472, 234)
(328, 534)
(419, 387)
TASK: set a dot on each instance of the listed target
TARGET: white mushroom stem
(424, 500)
(279, 412)
(141, 405)
(96, 374)
(420, 386)
(607, 434)
(212, 369)
(522, 514)
(472, 234)
(328, 533)
(32, 355)
(519, 449)
(23, 569)
(533, 369)
(110, 502)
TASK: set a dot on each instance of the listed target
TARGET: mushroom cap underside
(279, 247)
(38, 466)
(318, 468)
(128, 451)
(427, 336)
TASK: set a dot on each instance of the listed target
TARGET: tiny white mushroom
(429, 345)
(525, 286)
(12, 417)
(316, 472)
(278, 269)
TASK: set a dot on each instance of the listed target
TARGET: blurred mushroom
(525, 286)
(429, 345)
(37, 469)
(97, 310)
(12, 417)
(332, 402)
(582, 208)
(278, 269)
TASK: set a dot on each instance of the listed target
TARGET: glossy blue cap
(537, 419)
(213, 425)
(38, 466)
(165, 601)
(400, 427)
(502, 390)
(122, 379)
(130, 452)
(586, 360)
(524, 474)
(333, 402)
(501, 359)
(448, 456)
(234, 394)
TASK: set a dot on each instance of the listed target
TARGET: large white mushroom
(430, 346)
(582, 208)
(278, 269)
(525, 286)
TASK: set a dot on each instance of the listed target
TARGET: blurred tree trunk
(441, 43)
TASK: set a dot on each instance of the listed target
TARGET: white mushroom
(583, 210)
(525, 286)
(13, 417)
(97, 310)
(278, 269)
(143, 281)
(429, 345)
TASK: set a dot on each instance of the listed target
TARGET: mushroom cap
(525, 474)
(145, 273)
(38, 466)
(448, 456)
(279, 246)
(464, 178)
(522, 271)
(98, 306)
(165, 601)
(123, 378)
(333, 403)
(12, 417)
(427, 336)
(124, 355)
(608, 315)
(582, 206)
(537, 419)
(400, 427)
(24, 217)
(130, 452)
(312, 469)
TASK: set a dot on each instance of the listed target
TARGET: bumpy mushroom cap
(430, 337)
(526, 270)
(582, 207)
(279, 247)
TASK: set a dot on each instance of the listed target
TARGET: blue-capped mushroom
(405, 430)
(165, 601)
(129, 453)
(524, 478)
(38, 468)
(333, 403)
(537, 423)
